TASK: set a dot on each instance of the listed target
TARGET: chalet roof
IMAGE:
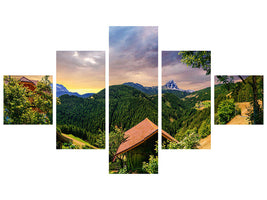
(24, 79)
(139, 134)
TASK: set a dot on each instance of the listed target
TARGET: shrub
(191, 141)
(204, 129)
(152, 166)
(226, 111)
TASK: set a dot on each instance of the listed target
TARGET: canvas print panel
(133, 99)
(186, 99)
(28, 99)
(80, 100)
(238, 99)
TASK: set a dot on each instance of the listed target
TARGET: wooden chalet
(30, 84)
(140, 143)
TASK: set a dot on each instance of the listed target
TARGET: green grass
(80, 140)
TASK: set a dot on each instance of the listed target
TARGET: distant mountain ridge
(148, 90)
(169, 87)
(61, 90)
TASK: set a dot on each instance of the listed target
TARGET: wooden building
(140, 143)
(30, 84)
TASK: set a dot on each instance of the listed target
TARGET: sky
(133, 55)
(186, 77)
(235, 78)
(81, 71)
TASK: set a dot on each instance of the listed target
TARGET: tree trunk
(255, 101)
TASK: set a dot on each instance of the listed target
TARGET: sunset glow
(81, 71)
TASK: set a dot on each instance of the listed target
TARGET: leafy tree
(23, 106)
(100, 141)
(197, 59)
(204, 129)
(226, 111)
(43, 97)
(116, 137)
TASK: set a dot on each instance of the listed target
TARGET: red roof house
(140, 141)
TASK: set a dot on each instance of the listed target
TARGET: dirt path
(243, 118)
(205, 143)
(75, 142)
(238, 119)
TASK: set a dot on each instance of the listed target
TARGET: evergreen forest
(186, 119)
(83, 118)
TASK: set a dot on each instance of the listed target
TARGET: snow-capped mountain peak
(171, 85)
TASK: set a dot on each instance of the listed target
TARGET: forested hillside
(181, 117)
(129, 106)
(82, 117)
(182, 113)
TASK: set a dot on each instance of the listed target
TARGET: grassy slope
(78, 141)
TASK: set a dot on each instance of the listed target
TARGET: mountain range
(61, 90)
(169, 87)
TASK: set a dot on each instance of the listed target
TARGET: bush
(226, 111)
(152, 166)
(123, 170)
(191, 141)
(204, 129)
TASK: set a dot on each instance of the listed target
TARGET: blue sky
(133, 55)
(185, 77)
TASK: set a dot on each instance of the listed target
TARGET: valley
(183, 112)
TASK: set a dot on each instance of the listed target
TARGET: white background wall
(32, 32)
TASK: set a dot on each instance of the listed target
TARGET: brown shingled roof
(139, 134)
(24, 79)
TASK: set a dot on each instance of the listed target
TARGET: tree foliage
(197, 59)
(129, 106)
(151, 167)
(179, 117)
(23, 106)
(226, 111)
(83, 117)
(116, 137)
(190, 141)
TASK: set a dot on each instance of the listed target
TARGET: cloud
(185, 76)
(81, 70)
(133, 53)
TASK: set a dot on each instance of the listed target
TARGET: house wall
(140, 154)
(30, 86)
